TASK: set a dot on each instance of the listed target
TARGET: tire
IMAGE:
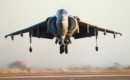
(61, 49)
(96, 48)
(30, 49)
(66, 49)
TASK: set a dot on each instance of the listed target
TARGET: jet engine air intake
(51, 24)
(72, 25)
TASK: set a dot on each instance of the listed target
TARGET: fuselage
(62, 24)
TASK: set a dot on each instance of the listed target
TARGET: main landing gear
(63, 42)
(63, 48)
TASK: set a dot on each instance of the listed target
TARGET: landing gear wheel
(66, 49)
(96, 48)
(62, 48)
(30, 49)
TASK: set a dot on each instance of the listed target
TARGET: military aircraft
(62, 26)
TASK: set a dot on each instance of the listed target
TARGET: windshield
(61, 12)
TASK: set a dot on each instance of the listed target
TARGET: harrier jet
(62, 26)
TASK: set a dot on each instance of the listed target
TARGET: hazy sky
(110, 14)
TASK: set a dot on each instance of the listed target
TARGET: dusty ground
(67, 76)
(66, 71)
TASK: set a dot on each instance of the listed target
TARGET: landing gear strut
(96, 33)
(62, 47)
(63, 42)
(66, 49)
(30, 35)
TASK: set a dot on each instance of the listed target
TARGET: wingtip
(119, 33)
(6, 36)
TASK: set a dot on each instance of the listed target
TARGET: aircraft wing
(39, 30)
(88, 30)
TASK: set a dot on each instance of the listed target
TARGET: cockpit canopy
(61, 12)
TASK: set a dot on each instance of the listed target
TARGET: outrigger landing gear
(30, 49)
(96, 48)
(30, 35)
(96, 33)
